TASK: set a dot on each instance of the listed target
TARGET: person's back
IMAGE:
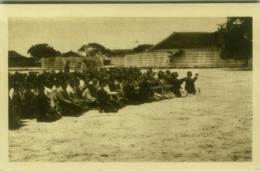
(41, 102)
(28, 101)
(93, 90)
(144, 90)
(176, 84)
(67, 67)
(63, 96)
(45, 113)
(189, 85)
(66, 105)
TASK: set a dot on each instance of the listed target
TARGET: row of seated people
(49, 96)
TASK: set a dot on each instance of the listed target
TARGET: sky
(65, 34)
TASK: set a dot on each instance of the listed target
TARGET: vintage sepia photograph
(130, 89)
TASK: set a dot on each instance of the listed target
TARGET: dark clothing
(28, 110)
(45, 113)
(105, 103)
(93, 90)
(190, 86)
(177, 85)
(65, 105)
(14, 115)
(113, 87)
(17, 104)
(78, 92)
(144, 91)
(67, 68)
(131, 94)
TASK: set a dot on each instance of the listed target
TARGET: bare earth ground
(214, 126)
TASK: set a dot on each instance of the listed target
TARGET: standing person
(189, 85)
(67, 67)
(83, 66)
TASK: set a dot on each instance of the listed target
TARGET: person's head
(63, 84)
(56, 83)
(16, 86)
(111, 79)
(68, 62)
(106, 80)
(174, 74)
(41, 88)
(72, 83)
(144, 77)
(53, 71)
(189, 73)
(102, 82)
(28, 86)
(160, 75)
(48, 84)
(94, 81)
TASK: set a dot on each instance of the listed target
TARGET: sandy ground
(213, 126)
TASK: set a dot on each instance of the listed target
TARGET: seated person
(154, 86)
(176, 84)
(105, 102)
(90, 93)
(164, 90)
(65, 104)
(54, 93)
(131, 91)
(15, 105)
(190, 83)
(44, 112)
(28, 110)
(145, 92)
(115, 86)
(116, 96)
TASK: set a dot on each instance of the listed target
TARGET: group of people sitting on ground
(48, 96)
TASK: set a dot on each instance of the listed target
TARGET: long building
(75, 59)
(199, 49)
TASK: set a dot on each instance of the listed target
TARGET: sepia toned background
(211, 10)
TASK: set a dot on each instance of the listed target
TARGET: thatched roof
(71, 54)
(13, 54)
(120, 52)
(185, 40)
(17, 60)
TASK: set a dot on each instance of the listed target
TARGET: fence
(209, 58)
(148, 59)
(205, 58)
(58, 63)
(118, 61)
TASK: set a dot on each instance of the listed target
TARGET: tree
(43, 50)
(236, 38)
(93, 49)
(141, 48)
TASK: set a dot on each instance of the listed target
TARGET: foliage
(236, 38)
(43, 50)
(141, 48)
(93, 49)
